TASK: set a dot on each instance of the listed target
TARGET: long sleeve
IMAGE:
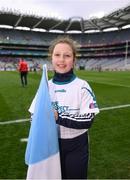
(82, 119)
(76, 121)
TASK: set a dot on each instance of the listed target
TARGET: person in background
(23, 69)
(75, 107)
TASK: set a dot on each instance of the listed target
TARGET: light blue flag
(43, 137)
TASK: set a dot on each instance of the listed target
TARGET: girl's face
(62, 58)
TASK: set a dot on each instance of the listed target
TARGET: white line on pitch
(24, 139)
(101, 109)
(14, 121)
(111, 84)
(114, 107)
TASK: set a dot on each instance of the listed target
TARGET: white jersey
(75, 102)
(76, 105)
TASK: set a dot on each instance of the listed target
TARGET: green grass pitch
(109, 135)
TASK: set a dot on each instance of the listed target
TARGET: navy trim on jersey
(92, 94)
(76, 122)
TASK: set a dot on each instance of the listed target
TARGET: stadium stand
(96, 51)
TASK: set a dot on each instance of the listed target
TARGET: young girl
(74, 106)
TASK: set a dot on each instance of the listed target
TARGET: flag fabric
(42, 151)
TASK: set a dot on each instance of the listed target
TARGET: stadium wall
(29, 44)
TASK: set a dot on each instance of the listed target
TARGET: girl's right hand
(56, 115)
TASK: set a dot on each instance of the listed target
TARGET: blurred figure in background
(23, 69)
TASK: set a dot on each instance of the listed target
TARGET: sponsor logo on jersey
(60, 90)
(63, 109)
(60, 109)
(93, 105)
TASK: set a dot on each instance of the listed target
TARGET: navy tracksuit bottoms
(24, 78)
(74, 157)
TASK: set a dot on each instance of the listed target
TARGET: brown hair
(66, 40)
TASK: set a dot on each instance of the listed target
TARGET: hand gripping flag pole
(42, 152)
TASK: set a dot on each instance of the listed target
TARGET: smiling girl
(74, 106)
